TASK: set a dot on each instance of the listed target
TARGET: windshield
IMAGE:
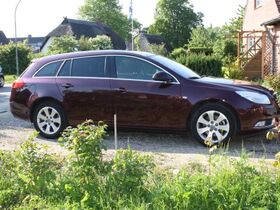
(176, 67)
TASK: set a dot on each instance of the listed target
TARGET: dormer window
(258, 3)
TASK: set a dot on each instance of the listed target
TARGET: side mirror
(163, 77)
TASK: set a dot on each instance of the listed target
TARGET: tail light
(18, 84)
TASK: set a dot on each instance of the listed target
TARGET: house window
(258, 3)
(250, 42)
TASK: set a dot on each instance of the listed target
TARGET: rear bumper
(20, 111)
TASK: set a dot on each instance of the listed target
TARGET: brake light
(18, 84)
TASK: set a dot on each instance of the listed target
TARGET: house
(34, 42)
(3, 38)
(79, 28)
(259, 40)
(143, 40)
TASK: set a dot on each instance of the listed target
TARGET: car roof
(91, 53)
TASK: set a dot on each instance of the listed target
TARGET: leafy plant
(110, 13)
(202, 64)
(179, 52)
(130, 171)
(158, 49)
(31, 178)
(98, 43)
(8, 59)
(33, 168)
(65, 44)
(232, 71)
(200, 50)
(174, 20)
(273, 81)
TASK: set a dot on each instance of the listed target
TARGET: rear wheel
(214, 123)
(2, 81)
(49, 119)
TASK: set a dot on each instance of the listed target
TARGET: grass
(9, 79)
(30, 178)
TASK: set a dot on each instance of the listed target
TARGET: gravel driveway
(170, 150)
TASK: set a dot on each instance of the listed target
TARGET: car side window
(65, 70)
(88, 67)
(49, 70)
(133, 68)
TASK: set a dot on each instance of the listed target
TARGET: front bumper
(259, 117)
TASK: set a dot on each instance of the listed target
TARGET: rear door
(142, 102)
(85, 88)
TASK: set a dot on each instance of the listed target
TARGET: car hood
(235, 84)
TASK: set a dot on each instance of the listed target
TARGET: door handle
(67, 85)
(121, 90)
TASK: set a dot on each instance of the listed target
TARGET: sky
(39, 17)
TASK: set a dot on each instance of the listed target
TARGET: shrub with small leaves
(130, 171)
(34, 167)
(86, 141)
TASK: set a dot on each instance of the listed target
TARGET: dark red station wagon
(143, 89)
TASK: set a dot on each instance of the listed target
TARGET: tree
(108, 12)
(226, 46)
(235, 23)
(174, 20)
(204, 37)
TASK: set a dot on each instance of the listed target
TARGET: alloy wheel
(213, 125)
(49, 120)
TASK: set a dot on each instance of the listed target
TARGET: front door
(86, 90)
(140, 101)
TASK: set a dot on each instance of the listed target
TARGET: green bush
(67, 43)
(202, 64)
(176, 53)
(30, 178)
(63, 44)
(97, 43)
(158, 49)
(8, 57)
(226, 50)
(232, 71)
(273, 81)
(200, 50)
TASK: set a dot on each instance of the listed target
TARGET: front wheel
(49, 119)
(214, 123)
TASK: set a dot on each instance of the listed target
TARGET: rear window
(49, 70)
(88, 67)
(65, 70)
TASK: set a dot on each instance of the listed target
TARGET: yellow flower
(208, 142)
(270, 135)
(212, 149)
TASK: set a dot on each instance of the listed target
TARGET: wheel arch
(214, 101)
(39, 101)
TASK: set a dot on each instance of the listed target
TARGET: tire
(213, 122)
(49, 119)
(2, 81)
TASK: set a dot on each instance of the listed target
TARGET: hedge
(207, 65)
(201, 50)
(8, 57)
